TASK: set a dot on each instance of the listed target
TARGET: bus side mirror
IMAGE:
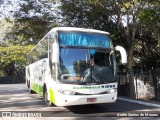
(123, 54)
(55, 53)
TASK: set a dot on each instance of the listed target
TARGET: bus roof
(78, 30)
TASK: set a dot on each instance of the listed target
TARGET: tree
(149, 36)
(30, 22)
(24, 23)
(5, 29)
(13, 58)
(121, 18)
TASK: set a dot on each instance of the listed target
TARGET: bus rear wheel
(50, 104)
(30, 89)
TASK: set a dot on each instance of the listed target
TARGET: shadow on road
(117, 107)
(18, 98)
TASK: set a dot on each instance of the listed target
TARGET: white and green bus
(74, 66)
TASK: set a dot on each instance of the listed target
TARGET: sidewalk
(142, 102)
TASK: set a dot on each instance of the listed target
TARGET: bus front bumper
(69, 100)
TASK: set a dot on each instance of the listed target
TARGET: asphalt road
(15, 98)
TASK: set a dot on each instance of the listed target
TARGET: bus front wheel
(46, 98)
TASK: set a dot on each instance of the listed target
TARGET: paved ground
(16, 99)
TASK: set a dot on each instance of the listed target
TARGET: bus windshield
(76, 66)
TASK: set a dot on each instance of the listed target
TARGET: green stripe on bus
(37, 88)
(52, 99)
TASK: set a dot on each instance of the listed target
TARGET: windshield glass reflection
(78, 66)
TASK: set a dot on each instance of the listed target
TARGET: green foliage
(2, 74)
(29, 24)
(22, 28)
(28, 31)
(133, 24)
(85, 13)
(149, 35)
(13, 56)
(5, 29)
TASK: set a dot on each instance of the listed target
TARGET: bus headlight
(66, 92)
(112, 90)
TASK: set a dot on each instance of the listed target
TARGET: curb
(139, 102)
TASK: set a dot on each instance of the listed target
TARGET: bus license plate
(91, 99)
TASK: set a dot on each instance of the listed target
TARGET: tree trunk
(130, 72)
(130, 63)
(130, 57)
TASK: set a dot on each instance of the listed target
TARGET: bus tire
(30, 89)
(27, 83)
(45, 94)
